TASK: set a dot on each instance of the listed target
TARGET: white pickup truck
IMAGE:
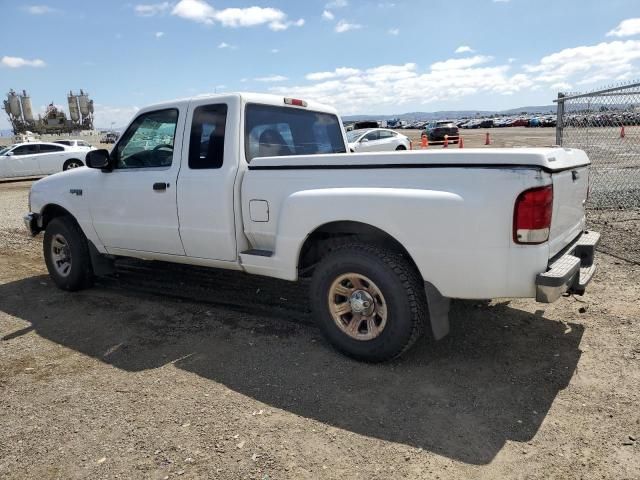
(264, 184)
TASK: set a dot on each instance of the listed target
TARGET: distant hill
(411, 116)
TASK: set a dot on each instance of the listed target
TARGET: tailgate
(569, 196)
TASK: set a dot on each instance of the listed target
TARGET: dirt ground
(177, 372)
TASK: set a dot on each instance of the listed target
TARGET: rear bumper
(570, 271)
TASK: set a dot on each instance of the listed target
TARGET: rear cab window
(281, 131)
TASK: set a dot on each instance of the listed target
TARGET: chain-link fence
(606, 124)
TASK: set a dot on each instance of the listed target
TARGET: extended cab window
(280, 131)
(148, 142)
(206, 144)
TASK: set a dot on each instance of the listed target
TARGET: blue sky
(368, 56)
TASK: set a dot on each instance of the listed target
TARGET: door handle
(160, 186)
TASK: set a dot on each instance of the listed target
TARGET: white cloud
(464, 49)
(271, 78)
(511, 59)
(589, 63)
(151, 9)
(393, 31)
(18, 62)
(338, 72)
(393, 85)
(626, 28)
(106, 115)
(459, 63)
(203, 12)
(328, 15)
(501, 1)
(39, 9)
(223, 45)
(344, 26)
(275, 50)
(561, 86)
(159, 34)
(336, 4)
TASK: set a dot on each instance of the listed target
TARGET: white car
(377, 140)
(76, 144)
(264, 184)
(34, 159)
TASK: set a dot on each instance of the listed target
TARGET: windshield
(353, 135)
(4, 150)
(280, 131)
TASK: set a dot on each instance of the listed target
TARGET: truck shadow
(492, 380)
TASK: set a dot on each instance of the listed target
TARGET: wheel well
(330, 235)
(53, 211)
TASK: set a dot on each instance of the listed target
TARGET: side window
(148, 142)
(385, 134)
(373, 135)
(50, 148)
(29, 149)
(206, 144)
(83, 144)
(280, 131)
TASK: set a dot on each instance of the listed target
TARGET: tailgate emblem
(575, 175)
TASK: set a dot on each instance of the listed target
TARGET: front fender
(66, 190)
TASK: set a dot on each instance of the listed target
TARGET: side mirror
(98, 159)
(9, 154)
(364, 140)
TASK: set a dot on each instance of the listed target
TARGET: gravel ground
(169, 371)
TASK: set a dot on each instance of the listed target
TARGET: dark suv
(437, 130)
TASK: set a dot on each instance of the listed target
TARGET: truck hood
(552, 159)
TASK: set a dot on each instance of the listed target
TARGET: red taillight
(532, 215)
(295, 101)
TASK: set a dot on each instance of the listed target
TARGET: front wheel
(369, 302)
(73, 163)
(66, 254)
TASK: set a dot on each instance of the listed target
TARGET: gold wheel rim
(357, 306)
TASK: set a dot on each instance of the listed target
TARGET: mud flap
(438, 311)
(101, 264)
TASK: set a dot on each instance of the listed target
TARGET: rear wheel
(369, 302)
(401, 147)
(66, 254)
(73, 163)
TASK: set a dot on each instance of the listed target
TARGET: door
(207, 180)
(387, 141)
(134, 206)
(372, 142)
(51, 158)
(24, 161)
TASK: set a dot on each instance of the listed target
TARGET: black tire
(401, 147)
(80, 273)
(72, 163)
(402, 289)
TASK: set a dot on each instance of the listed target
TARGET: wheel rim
(357, 306)
(61, 255)
(72, 165)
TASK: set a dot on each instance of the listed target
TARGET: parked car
(38, 158)
(377, 140)
(486, 123)
(76, 144)
(262, 184)
(110, 137)
(436, 131)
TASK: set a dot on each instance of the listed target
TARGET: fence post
(560, 119)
